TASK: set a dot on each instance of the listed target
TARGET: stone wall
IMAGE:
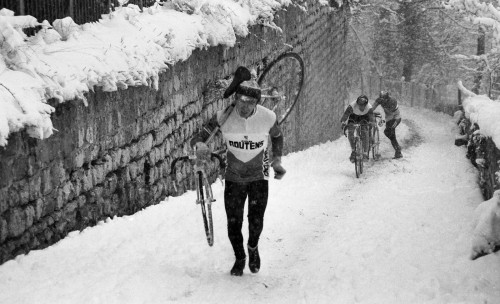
(113, 157)
(483, 154)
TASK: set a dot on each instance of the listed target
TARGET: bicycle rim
(361, 160)
(376, 144)
(284, 78)
(358, 160)
(210, 231)
(206, 212)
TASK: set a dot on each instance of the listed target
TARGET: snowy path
(399, 234)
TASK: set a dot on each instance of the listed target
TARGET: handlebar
(174, 162)
(351, 124)
(222, 164)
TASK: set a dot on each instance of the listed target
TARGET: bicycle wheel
(360, 156)
(206, 211)
(376, 143)
(281, 83)
(358, 162)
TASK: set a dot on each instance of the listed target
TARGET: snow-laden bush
(486, 235)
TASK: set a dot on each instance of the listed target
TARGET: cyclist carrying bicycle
(359, 111)
(246, 132)
(392, 118)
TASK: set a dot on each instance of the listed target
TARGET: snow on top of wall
(125, 48)
(485, 112)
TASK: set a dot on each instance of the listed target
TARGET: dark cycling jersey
(390, 106)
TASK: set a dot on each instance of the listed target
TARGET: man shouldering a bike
(359, 111)
(246, 130)
(392, 118)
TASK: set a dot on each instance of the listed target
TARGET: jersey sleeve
(347, 113)
(275, 130)
(371, 115)
(276, 140)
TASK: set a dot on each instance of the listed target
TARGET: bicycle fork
(203, 189)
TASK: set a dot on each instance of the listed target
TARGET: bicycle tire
(361, 159)
(358, 161)
(376, 144)
(283, 78)
(209, 195)
(206, 212)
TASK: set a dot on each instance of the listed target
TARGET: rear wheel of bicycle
(358, 162)
(376, 144)
(282, 79)
(206, 211)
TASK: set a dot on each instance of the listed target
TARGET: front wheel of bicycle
(376, 144)
(358, 163)
(281, 83)
(206, 210)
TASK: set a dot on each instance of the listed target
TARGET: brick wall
(113, 157)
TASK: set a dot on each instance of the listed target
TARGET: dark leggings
(390, 132)
(235, 195)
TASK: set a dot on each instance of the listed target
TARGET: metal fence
(82, 11)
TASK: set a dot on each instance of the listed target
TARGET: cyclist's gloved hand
(279, 171)
(202, 151)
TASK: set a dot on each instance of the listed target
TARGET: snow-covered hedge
(481, 110)
(485, 112)
(486, 235)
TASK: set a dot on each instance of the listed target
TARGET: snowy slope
(399, 234)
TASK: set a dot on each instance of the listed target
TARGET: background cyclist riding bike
(359, 111)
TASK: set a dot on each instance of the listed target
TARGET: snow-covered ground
(399, 234)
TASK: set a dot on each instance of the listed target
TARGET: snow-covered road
(398, 234)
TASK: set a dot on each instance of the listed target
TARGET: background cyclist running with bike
(359, 111)
(246, 131)
(392, 118)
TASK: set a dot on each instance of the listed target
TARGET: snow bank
(483, 111)
(125, 48)
(486, 236)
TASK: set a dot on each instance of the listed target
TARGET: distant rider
(359, 111)
(392, 118)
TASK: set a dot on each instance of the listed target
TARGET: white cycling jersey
(357, 111)
(247, 141)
